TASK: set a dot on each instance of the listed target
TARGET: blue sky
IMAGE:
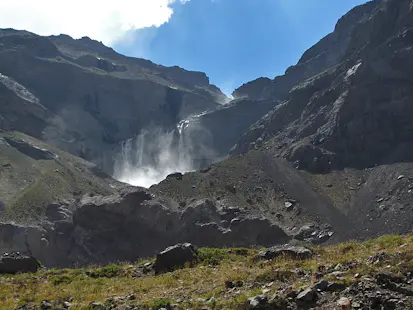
(236, 41)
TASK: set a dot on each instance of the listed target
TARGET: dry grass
(193, 286)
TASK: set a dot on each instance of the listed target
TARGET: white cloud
(106, 21)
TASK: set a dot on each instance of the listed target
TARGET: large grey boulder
(175, 256)
(15, 262)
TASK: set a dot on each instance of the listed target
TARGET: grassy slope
(27, 185)
(192, 286)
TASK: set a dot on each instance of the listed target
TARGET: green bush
(161, 303)
(110, 271)
(61, 280)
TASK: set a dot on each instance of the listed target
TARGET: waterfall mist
(154, 154)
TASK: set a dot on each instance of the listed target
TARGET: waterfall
(154, 154)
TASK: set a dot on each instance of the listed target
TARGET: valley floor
(376, 274)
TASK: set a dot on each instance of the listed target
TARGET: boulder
(16, 262)
(174, 257)
(321, 285)
(295, 252)
(257, 302)
(307, 295)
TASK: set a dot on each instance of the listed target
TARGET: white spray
(154, 154)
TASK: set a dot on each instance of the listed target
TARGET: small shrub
(275, 275)
(110, 271)
(212, 257)
(61, 280)
(385, 242)
(161, 303)
(349, 247)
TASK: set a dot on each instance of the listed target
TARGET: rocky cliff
(85, 98)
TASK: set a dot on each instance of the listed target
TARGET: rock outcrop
(352, 110)
(116, 228)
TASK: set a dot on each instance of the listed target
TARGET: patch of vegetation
(162, 303)
(203, 285)
(110, 271)
(212, 257)
(276, 275)
(61, 280)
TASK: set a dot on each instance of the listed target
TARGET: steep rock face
(216, 132)
(20, 109)
(357, 112)
(326, 53)
(92, 98)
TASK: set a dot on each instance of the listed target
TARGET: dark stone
(15, 262)
(44, 305)
(175, 257)
(230, 284)
(334, 287)
(321, 285)
(307, 295)
(295, 252)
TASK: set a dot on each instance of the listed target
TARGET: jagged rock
(313, 234)
(295, 252)
(334, 287)
(394, 282)
(174, 257)
(321, 285)
(257, 302)
(44, 305)
(16, 262)
(307, 295)
(31, 150)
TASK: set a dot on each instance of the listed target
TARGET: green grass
(202, 284)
